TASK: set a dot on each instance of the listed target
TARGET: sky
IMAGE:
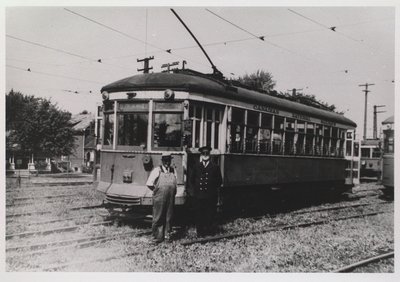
(62, 45)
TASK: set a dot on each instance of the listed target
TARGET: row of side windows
(255, 132)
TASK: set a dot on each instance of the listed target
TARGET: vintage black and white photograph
(222, 139)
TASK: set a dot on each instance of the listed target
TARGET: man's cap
(166, 155)
(208, 148)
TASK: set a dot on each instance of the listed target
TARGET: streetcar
(261, 142)
(388, 154)
(371, 155)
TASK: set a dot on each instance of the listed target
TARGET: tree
(36, 126)
(261, 80)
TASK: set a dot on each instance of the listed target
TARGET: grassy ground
(322, 248)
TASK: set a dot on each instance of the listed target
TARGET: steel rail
(215, 238)
(56, 230)
(83, 242)
(340, 207)
(45, 197)
(56, 183)
(58, 220)
(17, 205)
(367, 261)
(47, 212)
(40, 188)
(271, 229)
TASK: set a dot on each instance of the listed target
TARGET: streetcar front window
(132, 129)
(167, 130)
(132, 124)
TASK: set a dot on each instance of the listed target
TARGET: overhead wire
(270, 42)
(250, 38)
(54, 75)
(235, 25)
(48, 47)
(331, 28)
(286, 49)
(62, 51)
(168, 51)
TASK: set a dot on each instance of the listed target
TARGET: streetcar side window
(252, 127)
(265, 133)
(300, 137)
(334, 142)
(342, 134)
(327, 140)
(217, 124)
(289, 136)
(309, 146)
(237, 130)
(388, 141)
(195, 117)
(212, 122)
(277, 141)
(318, 139)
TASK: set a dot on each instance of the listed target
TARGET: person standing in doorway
(163, 181)
(204, 182)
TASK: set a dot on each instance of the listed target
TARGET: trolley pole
(146, 67)
(365, 107)
(375, 136)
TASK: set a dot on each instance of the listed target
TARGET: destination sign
(297, 116)
(325, 122)
(265, 109)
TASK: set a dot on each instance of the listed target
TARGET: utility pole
(146, 67)
(375, 136)
(365, 107)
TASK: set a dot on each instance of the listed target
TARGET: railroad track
(44, 197)
(271, 229)
(18, 205)
(341, 207)
(209, 239)
(80, 243)
(322, 209)
(56, 220)
(56, 230)
(56, 183)
(364, 262)
(10, 216)
(50, 189)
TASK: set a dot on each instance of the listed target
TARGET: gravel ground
(314, 249)
(322, 248)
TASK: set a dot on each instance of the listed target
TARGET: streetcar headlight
(169, 94)
(105, 95)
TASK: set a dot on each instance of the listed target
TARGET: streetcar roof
(213, 87)
(388, 120)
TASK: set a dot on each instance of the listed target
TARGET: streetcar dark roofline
(202, 84)
(389, 120)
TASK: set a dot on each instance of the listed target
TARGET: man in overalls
(162, 181)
